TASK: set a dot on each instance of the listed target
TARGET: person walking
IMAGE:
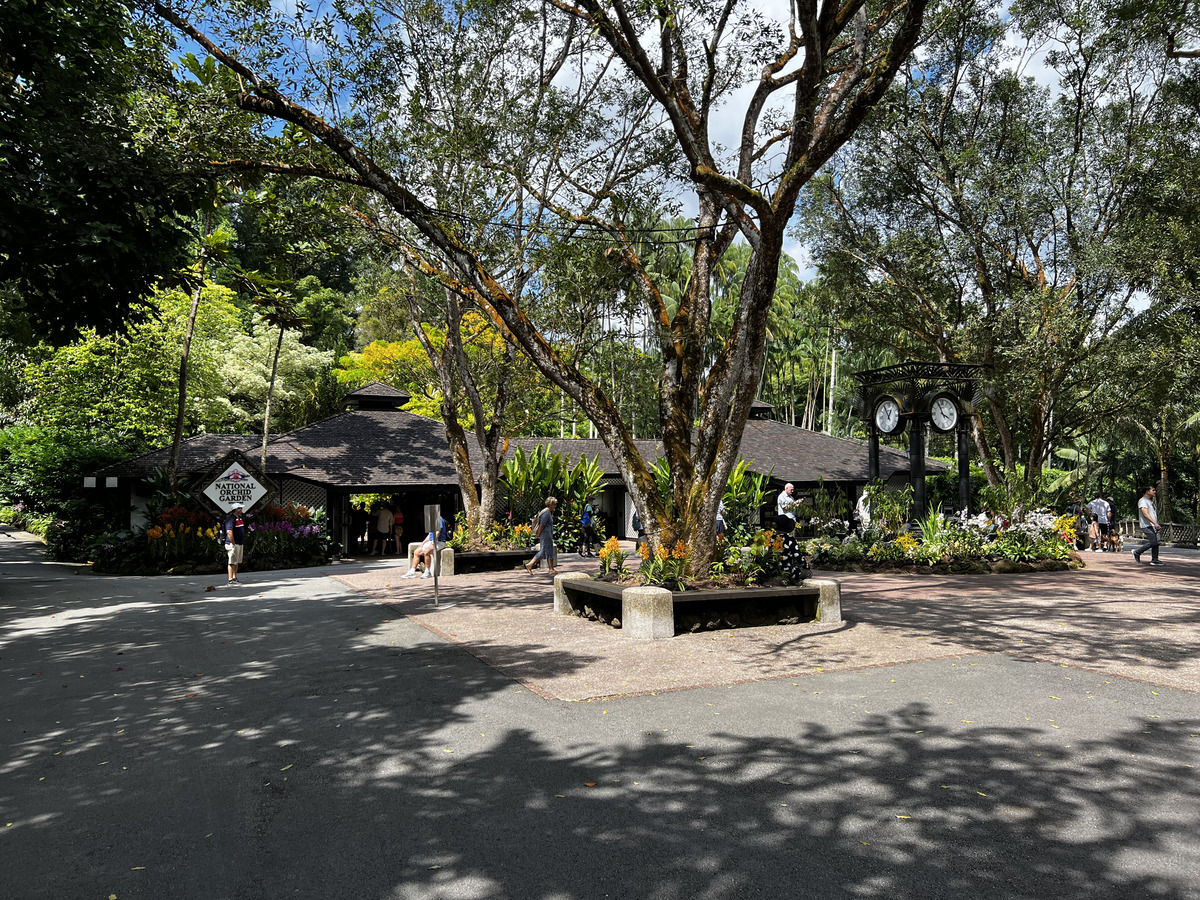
(544, 531)
(1101, 514)
(1148, 521)
(587, 528)
(383, 529)
(235, 540)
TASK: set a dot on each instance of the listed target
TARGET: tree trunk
(185, 355)
(262, 460)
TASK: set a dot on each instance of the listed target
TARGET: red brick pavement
(1114, 617)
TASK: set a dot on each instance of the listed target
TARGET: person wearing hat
(235, 540)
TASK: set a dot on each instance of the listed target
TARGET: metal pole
(433, 523)
(964, 470)
(916, 465)
(872, 452)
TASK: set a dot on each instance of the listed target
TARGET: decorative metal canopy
(915, 379)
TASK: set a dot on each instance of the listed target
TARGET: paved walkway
(304, 738)
(1115, 618)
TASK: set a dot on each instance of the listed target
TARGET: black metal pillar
(916, 465)
(872, 453)
(964, 471)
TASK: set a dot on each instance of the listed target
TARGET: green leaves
(93, 215)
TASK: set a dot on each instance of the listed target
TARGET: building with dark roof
(375, 447)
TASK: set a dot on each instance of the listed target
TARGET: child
(1095, 535)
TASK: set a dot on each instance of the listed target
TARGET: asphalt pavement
(297, 738)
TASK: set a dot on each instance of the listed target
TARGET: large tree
(979, 216)
(592, 106)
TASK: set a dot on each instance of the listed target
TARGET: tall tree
(603, 101)
(977, 217)
(94, 213)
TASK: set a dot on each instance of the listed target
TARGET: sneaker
(1155, 562)
(428, 574)
(411, 573)
(232, 582)
(1136, 558)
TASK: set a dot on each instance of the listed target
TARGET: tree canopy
(93, 206)
(482, 135)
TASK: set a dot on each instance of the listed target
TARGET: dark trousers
(586, 538)
(1151, 544)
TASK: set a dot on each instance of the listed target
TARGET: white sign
(235, 485)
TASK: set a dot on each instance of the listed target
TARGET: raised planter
(649, 613)
(489, 560)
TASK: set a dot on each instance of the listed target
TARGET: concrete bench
(445, 559)
(648, 613)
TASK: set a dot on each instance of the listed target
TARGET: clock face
(887, 416)
(944, 414)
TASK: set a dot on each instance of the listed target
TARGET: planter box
(648, 613)
(489, 560)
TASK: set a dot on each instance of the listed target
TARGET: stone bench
(648, 613)
(445, 559)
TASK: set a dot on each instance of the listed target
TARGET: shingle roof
(376, 449)
(377, 389)
(803, 456)
(366, 449)
(195, 454)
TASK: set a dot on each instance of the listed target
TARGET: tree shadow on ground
(322, 752)
(1106, 617)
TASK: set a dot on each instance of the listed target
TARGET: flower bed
(1036, 541)
(184, 538)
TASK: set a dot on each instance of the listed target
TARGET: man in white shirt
(1100, 509)
(1148, 520)
(784, 502)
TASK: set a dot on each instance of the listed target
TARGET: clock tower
(921, 396)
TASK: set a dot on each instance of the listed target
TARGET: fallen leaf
(590, 784)
(285, 768)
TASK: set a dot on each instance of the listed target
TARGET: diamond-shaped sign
(235, 485)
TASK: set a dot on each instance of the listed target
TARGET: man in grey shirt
(1148, 520)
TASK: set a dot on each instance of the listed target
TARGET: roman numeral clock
(917, 397)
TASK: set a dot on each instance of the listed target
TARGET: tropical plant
(889, 508)
(761, 559)
(663, 566)
(830, 511)
(745, 494)
(612, 558)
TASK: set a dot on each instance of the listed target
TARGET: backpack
(587, 517)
